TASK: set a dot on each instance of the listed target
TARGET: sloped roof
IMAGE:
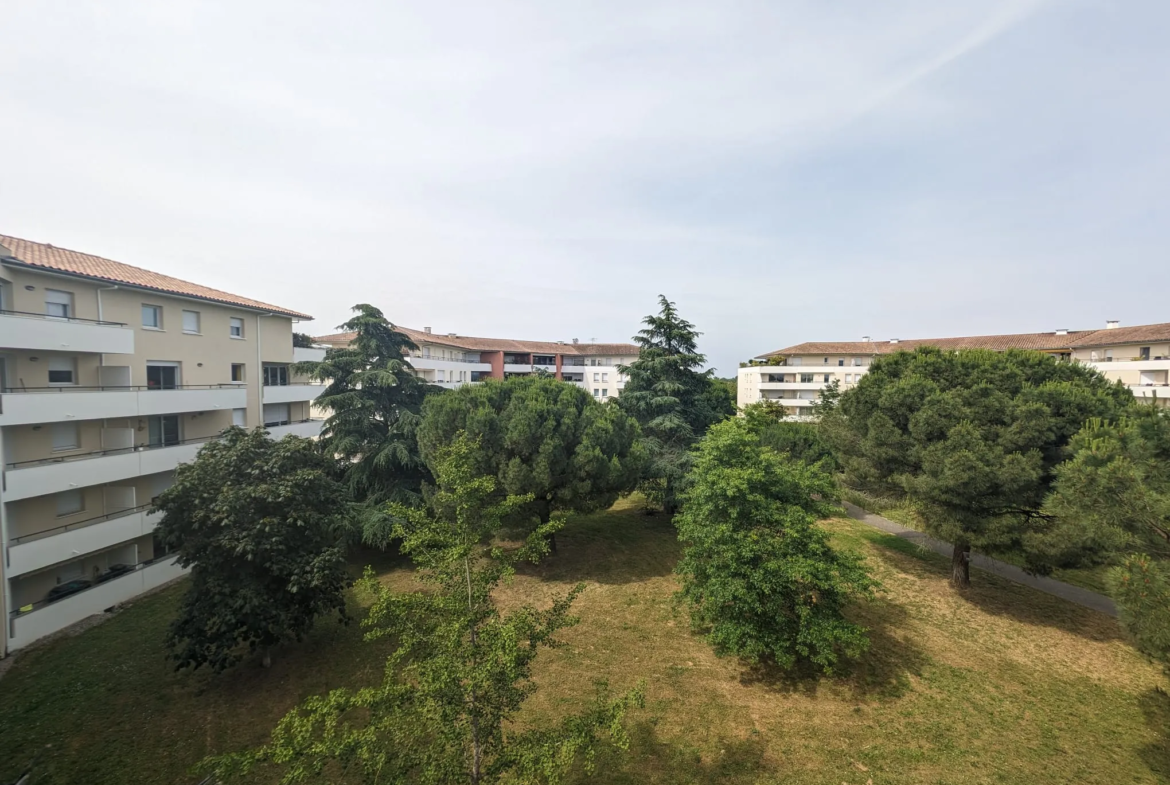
(1037, 341)
(61, 260)
(471, 343)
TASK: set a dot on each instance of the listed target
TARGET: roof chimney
(865, 339)
(452, 335)
(895, 340)
(1062, 331)
(427, 330)
(574, 340)
(1112, 324)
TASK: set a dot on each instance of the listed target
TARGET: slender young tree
(757, 571)
(970, 437)
(374, 401)
(461, 667)
(539, 437)
(673, 401)
(259, 522)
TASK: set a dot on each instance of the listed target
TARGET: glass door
(164, 430)
(162, 377)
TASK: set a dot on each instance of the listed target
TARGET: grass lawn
(999, 685)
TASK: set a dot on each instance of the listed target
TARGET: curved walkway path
(1089, 599)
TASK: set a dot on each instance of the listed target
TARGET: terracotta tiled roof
(471, 343)
(1039, 341)
(1142, 333)
(49, 257)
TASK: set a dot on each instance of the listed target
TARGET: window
(806, 378)
(58, 303)
(237, 372)
(275, 375)
(596, 393)
(70, 503)
(605, 392)
(605, 377)
(163, 431)
(276, 414)
(162, 376)
(794, 361)
(1144, 353)
(828, 378)
(596, 377)
(152, 317)
(840, 363)
(240, 417)
(62, 370)
(856, 361)
(66, 436)
(237, 327)
(191, 322)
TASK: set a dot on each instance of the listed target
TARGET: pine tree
(671, 399)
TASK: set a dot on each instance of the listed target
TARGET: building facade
(111, 376)
(1138, 357)
(451, 360)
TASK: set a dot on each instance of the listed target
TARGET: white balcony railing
(39, 332)
(292, 393)
(42, 549)
(307, 428)
(27, 479)
(305, 354)
(45, 618)
(32, 405)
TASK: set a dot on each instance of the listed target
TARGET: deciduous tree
(757, 571)
(539, 437)
(673, 401)
(259, 524)
(461, 668)
(970, 437)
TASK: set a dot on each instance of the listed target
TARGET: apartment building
(451, 360)
(1139, 357)
(111, 376)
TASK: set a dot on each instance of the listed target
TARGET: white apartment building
(111, 376)
(451, 360)
(1138, 356)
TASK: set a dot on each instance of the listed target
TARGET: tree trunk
(545, 517)
(266, 662)
(961, 566)
(476, 749)
(552, 542)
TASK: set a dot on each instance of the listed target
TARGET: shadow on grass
(883, 672)
(1155, 705)
(993, 594)
(651, 760)
(618, 546)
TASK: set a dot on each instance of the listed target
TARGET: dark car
(114, 571)
(67, 588)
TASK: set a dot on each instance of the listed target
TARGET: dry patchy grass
(998, 685)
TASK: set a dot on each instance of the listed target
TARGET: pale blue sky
(785, 171)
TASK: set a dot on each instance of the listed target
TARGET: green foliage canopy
(374, 402)
(539, 437)
(757, 571)
(460, 670)
(671, 399)
(259, 523)
(971, 437)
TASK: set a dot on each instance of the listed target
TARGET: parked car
(114, 571)
(67, 588)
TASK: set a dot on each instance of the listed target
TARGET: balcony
(792, 385)
(308, 354)
(39, 332)
(291, 393)
(1150, 390)
(1129, 364)
(447, 364)
(32, 405)
(42, 549)
(27, 479)
(43, 618)
(309, 429)
(519, 368)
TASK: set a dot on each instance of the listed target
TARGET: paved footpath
(1089, 599)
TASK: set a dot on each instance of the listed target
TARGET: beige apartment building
(450, 360)
(111, 376)
(1139, 357)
